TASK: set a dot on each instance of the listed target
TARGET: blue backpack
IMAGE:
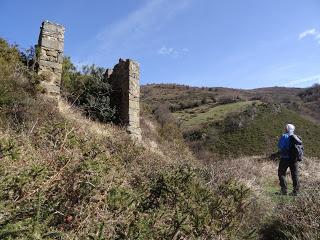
(296, 149)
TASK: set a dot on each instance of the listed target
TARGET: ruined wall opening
(124, 77)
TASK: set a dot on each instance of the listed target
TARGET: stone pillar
(50, 56)
(125, 97)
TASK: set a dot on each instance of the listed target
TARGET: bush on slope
(65, 181)
(59, 180)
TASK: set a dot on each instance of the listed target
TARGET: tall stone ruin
(124, 79)
(50, 56)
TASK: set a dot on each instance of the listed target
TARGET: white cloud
(135, 32)
(314, 33)
(311, 32)
(305, 80)
(169, 51)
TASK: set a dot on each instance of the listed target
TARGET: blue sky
(231, 43)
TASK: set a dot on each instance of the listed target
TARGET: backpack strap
(297, 139)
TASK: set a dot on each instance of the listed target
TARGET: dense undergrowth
(59, 180)
(88, 90)
(62, 178)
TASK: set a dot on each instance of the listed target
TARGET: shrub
(235, 122)
(310, 94)
(17, 86)
(177, 205)
(163, 114)
(9, 62)
(10, 59)
(193, 134)
(88, 90)
(70, 87)
(228, 99)
(9, 149)
(169, 128)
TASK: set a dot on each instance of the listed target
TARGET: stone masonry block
(124, 80)
(50, 64)
(51, 43)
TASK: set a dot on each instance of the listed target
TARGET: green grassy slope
(201, 115)
(260, 134)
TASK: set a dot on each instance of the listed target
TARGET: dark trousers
(282, 172)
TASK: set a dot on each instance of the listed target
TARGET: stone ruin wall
(50, 56)
(124, 77)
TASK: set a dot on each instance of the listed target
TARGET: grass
(260, 133)
(202, 115)
(271, 189)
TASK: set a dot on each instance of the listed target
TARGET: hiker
(289, 159)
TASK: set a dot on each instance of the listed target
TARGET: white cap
(290, 128)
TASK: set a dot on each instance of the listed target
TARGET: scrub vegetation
(67, 172)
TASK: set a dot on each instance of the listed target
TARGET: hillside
(180, 97)
(229, 122)
(66, 175)
(311, 101)
(254, 132)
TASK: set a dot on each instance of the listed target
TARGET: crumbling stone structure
(50, 56)
(124, 79)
